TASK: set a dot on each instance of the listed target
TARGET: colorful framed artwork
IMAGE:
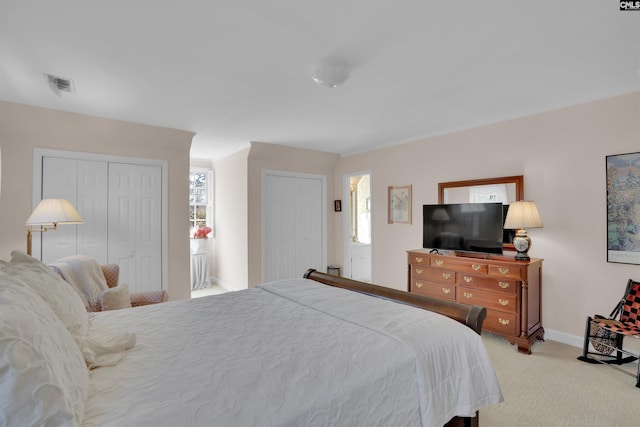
(399, 204)
(623, 208)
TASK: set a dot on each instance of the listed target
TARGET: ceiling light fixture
(331, 73)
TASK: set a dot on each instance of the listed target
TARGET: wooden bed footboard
(471, 316)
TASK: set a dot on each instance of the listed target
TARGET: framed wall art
(399, 204)
(623, 208)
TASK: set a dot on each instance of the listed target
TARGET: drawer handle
(419, 271)
(503, 322)
(503, 270)
(468, 279)
(418, 285)
(503, 285)
(446, 290)
(503, 301)
(446, 275)
(468, 295)
(419, 259)
(476, 267)
(439, 262)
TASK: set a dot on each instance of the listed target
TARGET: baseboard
(563, 337)
(578, 341)
(223, 285)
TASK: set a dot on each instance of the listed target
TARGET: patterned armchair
(111, 274)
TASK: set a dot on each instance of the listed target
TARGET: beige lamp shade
(54, 211)
(440, 214)
(522, 214)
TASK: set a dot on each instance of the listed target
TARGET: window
(200, 199)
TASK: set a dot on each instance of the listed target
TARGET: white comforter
(293, 353)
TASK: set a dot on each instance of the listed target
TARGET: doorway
(358, 248)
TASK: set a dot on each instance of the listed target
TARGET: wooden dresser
(509, 289)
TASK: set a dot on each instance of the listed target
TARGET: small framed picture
(337, 205)
(399, 204)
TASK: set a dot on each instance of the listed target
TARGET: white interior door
(134, 221)
(357, 226)
(93, 235)
(84, 184)
(294, 224)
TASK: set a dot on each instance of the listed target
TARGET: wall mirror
(505, 189)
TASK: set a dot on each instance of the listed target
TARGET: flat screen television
(464, 227)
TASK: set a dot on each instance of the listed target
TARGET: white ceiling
(235, 71)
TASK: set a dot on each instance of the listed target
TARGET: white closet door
(84, 184)
(293, 226)
(134, 221)
(59, 182)
(93, 236)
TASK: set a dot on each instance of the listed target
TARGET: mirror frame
(518, 180)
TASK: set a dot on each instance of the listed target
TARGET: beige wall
(23, 128)
(230, 259)
(562, 157)
(560, 153)
(276, 157)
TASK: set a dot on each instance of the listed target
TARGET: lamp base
(522, 243)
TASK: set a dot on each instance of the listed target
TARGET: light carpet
(551, 388)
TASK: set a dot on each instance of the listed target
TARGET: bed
(288, 353)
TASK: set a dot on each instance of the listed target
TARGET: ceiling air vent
(60, 84)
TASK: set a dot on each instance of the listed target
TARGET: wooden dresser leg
(524, 348)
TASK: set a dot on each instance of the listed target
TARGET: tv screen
(471, 227)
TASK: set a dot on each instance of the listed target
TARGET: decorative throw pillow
(44, 380)
(61, 297)
(116, 298)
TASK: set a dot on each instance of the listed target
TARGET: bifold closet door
(84, 184)
(293, 225)
(135, 226)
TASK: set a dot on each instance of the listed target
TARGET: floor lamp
(48, 214)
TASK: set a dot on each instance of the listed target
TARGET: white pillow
(116, 298)
(60, 295)
(44, 380)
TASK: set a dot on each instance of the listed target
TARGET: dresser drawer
(493, 301)
(506, 271)
(504, 323)
(471, 266)
(436, 274)
(434, 289)
(507, 286)
(418, 259)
